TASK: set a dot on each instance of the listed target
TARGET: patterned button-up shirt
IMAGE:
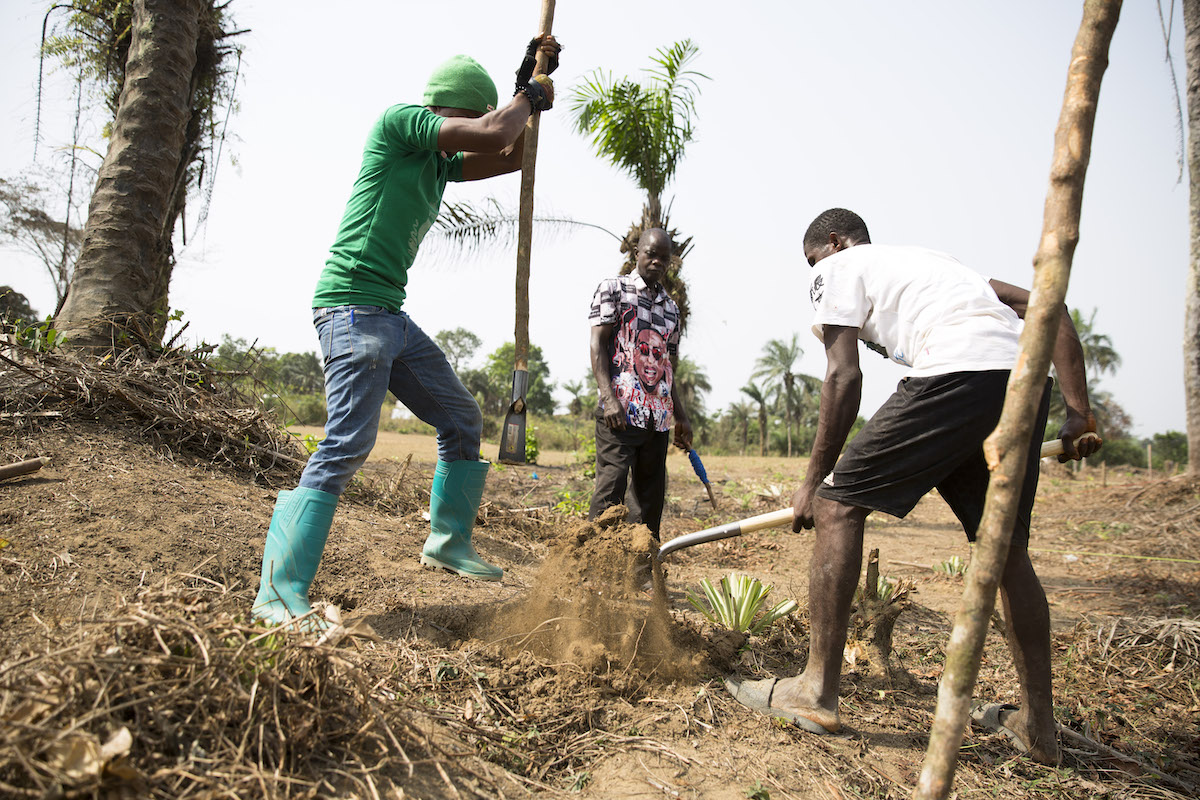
(645, 324)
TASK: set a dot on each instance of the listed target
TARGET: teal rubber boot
(295, 542)
(453, 502)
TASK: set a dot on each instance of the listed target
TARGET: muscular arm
(491, 144)
(614, 412)
(840, 397)
(1067, 356)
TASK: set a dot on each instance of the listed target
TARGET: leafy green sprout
(757, 792)
(573, 504)
(885, 590)
(739, 602)
(532, 447)
(954, 567)
(39, 337)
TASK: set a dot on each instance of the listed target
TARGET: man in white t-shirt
(957, 333)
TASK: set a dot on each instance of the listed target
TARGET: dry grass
(174, 696)
(176, 400)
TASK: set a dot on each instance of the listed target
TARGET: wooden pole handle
(23, 467)
(525, 217)
(1054, 447)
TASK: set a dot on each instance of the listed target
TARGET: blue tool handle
(697, 465)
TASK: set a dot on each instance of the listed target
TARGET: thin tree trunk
(124, 269)
(1007, 447)
(1191, 331)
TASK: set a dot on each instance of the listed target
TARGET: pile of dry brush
(176, 399)
(175, 696)
(183, 405)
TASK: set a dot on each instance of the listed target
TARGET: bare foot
(1040, 741)
(797, 697)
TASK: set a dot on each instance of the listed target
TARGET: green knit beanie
(461, 83)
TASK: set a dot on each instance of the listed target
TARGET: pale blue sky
(934, 120)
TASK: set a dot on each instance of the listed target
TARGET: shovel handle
(773, 519)
(1054, 447)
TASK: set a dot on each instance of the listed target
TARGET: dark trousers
(642, 451)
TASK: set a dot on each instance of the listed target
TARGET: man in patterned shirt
(634, 349)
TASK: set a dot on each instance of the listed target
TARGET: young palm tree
(774, 367)
(692, 384)
(576, 390)
(739, 414)
(1099, 357)
(643, 130)
(760, 397)
(1098, 354)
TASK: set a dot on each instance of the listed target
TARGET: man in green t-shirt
(371, 346)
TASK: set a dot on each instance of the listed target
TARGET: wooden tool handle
(773, 519)
(1054, 447)
(525, 215)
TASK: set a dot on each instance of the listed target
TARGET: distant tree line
(776, 416)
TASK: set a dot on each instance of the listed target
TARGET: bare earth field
(128, 666)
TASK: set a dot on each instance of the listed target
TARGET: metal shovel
(773, 519)
(783, 516)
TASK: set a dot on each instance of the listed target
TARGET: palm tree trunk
(762, 430)
(654, 207)
(1191, 331)
(124, 268)
(1007, 447)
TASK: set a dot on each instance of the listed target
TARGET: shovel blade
(512, 435)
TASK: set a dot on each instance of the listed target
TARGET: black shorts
(929, 435)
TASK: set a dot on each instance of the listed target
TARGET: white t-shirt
(918, 307)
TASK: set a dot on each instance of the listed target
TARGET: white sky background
(933, 120)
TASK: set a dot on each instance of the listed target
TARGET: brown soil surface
(600, 692)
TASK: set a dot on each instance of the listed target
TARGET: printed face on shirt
(649, 358)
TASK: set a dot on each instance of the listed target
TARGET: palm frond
(464, 230)
(642, 129)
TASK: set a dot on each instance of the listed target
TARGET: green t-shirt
(394, 203)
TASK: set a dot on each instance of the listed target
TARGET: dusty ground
(111, 516)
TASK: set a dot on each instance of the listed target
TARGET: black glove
(525, 72)
(540, 91)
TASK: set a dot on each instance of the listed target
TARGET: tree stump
(874, 620)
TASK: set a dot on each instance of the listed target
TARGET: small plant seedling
(739, 603)
(954, 567)
(757, 792)
(572, 504)
(41, 338)
(885, 590)
(532, 447)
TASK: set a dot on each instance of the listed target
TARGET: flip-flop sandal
(756, 695)
(991, 716)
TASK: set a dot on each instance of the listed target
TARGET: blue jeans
(369, 350)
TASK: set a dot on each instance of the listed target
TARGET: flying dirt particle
(587, 605)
